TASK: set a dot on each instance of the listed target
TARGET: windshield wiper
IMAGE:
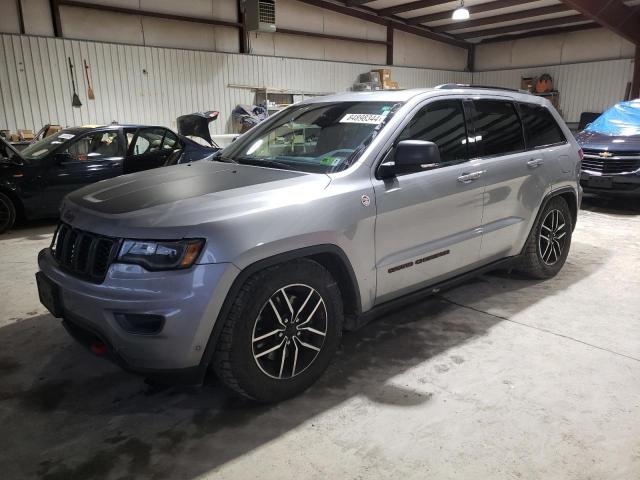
(220, 158)
(263, 163)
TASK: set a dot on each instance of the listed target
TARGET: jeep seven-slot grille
(615, 164)
(83, 254)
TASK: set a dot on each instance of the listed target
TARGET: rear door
(428, 222)
(146, 151)
(513, 184)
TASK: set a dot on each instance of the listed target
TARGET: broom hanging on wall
(90, 93)
(76, 99)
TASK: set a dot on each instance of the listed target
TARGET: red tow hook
(98, 348)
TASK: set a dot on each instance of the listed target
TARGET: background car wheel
(7, 213)
(282, 330)
(548, 244)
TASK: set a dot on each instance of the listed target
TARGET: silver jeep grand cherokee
(252, 264)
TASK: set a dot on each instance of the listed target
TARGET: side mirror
(411, 156)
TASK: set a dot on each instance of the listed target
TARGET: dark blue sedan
(34, 181)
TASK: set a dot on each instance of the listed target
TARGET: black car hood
(615, 143)
(160, 186)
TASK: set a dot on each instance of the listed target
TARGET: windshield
(317, 137)
(622, 119)
(43, 147)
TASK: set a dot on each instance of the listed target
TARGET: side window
(171, 141)
(443, 124)
(148, 140)
(540, 128)
(498, 130)
(94, 146)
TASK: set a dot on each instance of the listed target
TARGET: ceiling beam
(407, 7)
(507, 17)
(357, 2)
(552, 22)
(371, 15)
(611, 14)
(146, 13)
(539, 33)
(483, 7)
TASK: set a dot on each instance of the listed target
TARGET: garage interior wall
(152, 85)
(590, 68)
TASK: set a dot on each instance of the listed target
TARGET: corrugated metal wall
(583, 87)
(35, 83)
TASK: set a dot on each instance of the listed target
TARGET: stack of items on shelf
(379, 79)
(543, 87)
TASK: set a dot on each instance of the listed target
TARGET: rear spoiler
(197, 125)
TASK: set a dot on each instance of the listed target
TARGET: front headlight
(161, 255)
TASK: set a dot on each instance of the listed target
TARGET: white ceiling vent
(260, 15)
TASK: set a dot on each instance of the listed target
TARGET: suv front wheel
(282, 330)
(548, 244)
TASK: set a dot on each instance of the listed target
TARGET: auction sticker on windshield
(369, 118)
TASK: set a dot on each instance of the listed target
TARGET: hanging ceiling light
(460, 13)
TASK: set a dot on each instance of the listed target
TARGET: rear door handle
(470, 177)
(536, 162)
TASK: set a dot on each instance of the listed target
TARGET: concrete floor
(499, 378)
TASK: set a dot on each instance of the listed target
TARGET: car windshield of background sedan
(622, 119)
(43, 147)
(317, 137)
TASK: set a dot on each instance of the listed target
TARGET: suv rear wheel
(7, 213)
(548, 244)
(282, 330)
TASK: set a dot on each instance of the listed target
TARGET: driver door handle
(536, 162)
(470, 177)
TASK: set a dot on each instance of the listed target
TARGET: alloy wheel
(289, 332)
(551, 241)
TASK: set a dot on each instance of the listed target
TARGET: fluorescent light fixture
(460, 13)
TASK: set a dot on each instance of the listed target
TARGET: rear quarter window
(540, 127)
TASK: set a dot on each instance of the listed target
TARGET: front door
(95, 156)
(428, 222)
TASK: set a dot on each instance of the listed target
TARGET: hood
(197, 125)
(185, 195)
(615, 143)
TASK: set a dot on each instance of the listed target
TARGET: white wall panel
(35, 87)
(583, 87)
(583, 46)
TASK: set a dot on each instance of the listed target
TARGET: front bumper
(620, 185)
(188, 300)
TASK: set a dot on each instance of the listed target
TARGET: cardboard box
(53, 129)
(384, 73)
(390, 85)
(26, 135)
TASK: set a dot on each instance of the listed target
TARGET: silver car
(253, 263)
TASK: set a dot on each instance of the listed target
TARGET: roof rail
(452, 86)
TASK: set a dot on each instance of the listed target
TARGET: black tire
(537, 259)
(7, 213)
(272, 377)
